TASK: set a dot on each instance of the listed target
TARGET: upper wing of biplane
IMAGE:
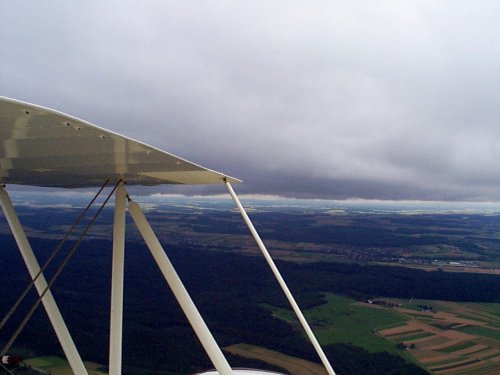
(44, 147)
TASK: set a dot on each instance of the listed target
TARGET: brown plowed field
(294, 366)
(447, 349)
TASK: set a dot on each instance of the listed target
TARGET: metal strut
(195, 319)
(281, 281)
(117, 279)
(56, 274)
(48, 301)
(50, 258)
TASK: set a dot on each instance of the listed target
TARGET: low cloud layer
(386, 100)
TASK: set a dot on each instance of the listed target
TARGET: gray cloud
(391, 99)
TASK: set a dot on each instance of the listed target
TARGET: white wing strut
(116, 324)
(48, 301)
(281, 281)
(180, 292)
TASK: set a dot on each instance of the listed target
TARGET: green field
(59, 366)
(45, 363)
(341, 320)
(482, 331)
(456, 348)
(493, 308)
(405, 338)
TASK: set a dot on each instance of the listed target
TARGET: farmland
(341, 319)
(443, 337)
(293, 365)
(450, 338)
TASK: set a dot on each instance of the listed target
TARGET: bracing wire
(58, 272)
(51, 257)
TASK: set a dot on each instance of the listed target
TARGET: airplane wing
(43, 147)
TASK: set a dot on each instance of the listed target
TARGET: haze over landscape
(385, 100)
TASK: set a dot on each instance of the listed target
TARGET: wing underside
(43, 147)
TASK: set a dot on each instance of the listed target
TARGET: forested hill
(367, 281)
(230, 291)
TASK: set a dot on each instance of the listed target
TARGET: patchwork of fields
(442, 337)
(451, 338)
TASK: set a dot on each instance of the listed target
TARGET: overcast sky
(332, 99)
